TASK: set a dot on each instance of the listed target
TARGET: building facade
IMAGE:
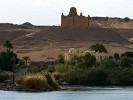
(73, 19)
(99, 56)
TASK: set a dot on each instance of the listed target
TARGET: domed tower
(72, 51)
(73, 11)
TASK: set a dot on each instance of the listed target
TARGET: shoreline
(59, 88)
(23, 89)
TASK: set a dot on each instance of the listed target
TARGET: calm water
(75, 93)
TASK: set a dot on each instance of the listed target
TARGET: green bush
(51, 68)
(6, 62)
(109, 64)
(61, 68)
(126, 62)
(98, 48)
(82, 62)
(75, 77)
(127, 54)
(60, 60)
(97, 76)
(116, 56)
(121, 76)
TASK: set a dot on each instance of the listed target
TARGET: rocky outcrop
(115, 23)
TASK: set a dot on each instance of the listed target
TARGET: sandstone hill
(41, 42)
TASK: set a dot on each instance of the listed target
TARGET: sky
(48, 12)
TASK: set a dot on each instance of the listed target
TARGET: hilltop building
(73, 19)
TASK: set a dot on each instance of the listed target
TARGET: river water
(73, 93)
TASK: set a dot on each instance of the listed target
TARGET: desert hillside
(42, 42)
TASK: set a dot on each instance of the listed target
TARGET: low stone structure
(73, 19)
(99, 56)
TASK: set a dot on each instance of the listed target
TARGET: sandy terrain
(47, 42)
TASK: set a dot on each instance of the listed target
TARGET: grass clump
(34, 81)
(3, 76)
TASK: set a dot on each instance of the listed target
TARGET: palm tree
(26, 60)
(8, 45)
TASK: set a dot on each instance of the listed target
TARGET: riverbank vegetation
(85, 70)
(14, 73)
(78, 70)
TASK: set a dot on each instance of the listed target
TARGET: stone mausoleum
(73, 19)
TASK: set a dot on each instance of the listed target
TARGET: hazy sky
(47, 12)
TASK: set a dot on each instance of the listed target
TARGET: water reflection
(74, 93)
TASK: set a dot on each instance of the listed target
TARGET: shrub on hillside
(98, 48)
(127, 19)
